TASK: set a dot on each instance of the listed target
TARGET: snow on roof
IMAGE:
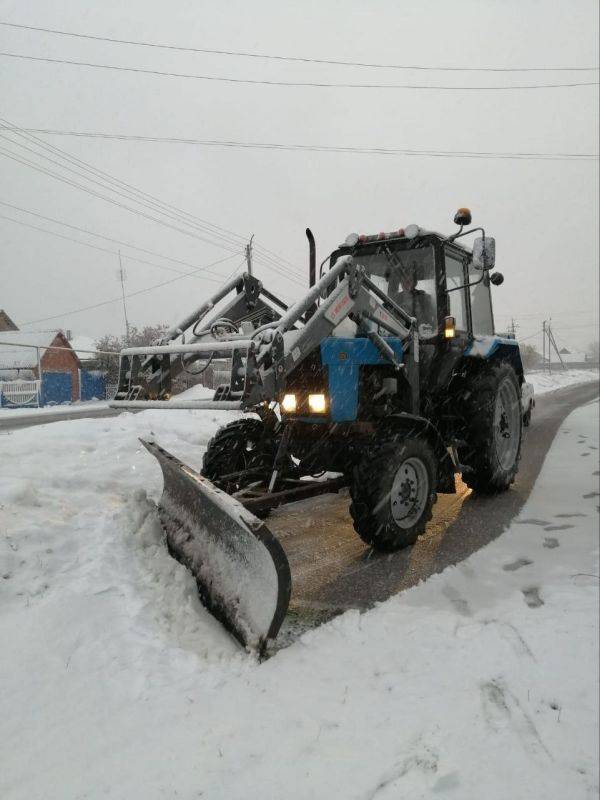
(13, 357)
(82, 343)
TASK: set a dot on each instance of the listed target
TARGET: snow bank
(544, 382)
(114, 682)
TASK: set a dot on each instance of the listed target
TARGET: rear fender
(493, 349)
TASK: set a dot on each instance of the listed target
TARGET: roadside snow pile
(114, 682)
(543, 382)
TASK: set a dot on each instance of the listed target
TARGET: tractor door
(452, 302)
(455, 265)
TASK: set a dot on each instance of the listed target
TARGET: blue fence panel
(92, 385)
(56, 387)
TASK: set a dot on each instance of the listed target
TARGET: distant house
(35, 354)
(569, 358)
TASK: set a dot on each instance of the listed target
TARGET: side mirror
(497, 278)
(484, 252)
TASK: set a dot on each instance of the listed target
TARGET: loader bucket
(241, 570)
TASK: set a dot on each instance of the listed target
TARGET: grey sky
(543, 213)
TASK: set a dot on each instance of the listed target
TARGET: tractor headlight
(317, 403)
(288, 403)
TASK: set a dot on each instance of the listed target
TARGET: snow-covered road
(114, 682)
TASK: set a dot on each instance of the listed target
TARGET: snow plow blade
(241, 570)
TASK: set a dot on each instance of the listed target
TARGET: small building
(31, 354)
(569, 358)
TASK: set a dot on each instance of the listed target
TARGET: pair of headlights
(317, 403)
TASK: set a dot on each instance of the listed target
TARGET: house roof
(6, 323)
(14, 357)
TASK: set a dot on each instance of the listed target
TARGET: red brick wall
(63, 361)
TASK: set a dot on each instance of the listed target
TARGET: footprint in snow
(459, 603)
(532, 597)
(514, 565)
(550, 542)
(446, 782)
(541, 522)
(558, 527)
(585, 454)
(568, 516)
(590, 494)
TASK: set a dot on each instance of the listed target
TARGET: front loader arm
(262, 359)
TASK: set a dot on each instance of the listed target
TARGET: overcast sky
(544, 214)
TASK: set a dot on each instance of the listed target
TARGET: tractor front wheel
(393, 492)
(240, 453)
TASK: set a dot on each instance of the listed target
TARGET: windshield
(408, 278)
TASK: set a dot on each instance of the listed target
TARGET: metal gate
(20, 394)
(92, 385)
(57, 387)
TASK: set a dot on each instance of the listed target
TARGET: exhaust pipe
(312, 268)
(312, 258)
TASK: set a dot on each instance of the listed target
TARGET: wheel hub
(410, 489)
(507, 423)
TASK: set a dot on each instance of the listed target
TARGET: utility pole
(121, 276)
(249, 255)
(544, 346)
(512, 328)
(552, 340)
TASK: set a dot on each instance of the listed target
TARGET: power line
(120, 298)
(30, 164)
(203, 276)
(307, 84)
(98, 236)
(562, 328)
(227, 143)
(130, 193)
(106, 249)
(37, 168)
(245, 54)
(155, 204)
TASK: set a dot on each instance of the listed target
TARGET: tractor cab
(432, 278)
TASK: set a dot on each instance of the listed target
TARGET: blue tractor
(386, 377)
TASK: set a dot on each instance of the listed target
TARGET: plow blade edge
(241, 570)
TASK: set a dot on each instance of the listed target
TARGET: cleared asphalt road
(333, 570)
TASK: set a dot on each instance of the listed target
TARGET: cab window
(455, 276)
(481, 304)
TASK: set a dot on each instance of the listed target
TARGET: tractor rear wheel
(493, 419)
(393, 492)
(245, 444)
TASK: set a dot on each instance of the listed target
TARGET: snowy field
(544, 382)
(114, 681)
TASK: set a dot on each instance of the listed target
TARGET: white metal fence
(15, 394)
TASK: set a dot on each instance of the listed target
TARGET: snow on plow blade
(241, 570)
